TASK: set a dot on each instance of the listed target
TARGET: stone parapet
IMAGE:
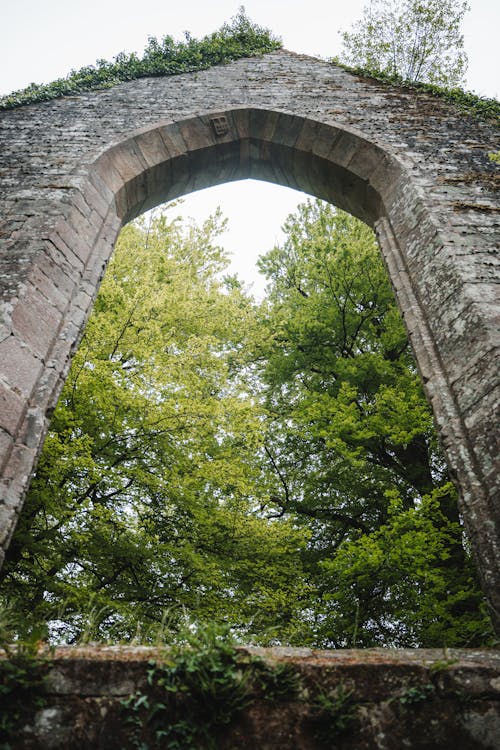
(416, 699)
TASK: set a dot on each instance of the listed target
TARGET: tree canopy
(414, 40)
(270, 467)
(142, 505)
(352, 452)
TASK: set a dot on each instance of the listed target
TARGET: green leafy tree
(351, 450)
(414, 40)
(143, 505)
(404, 584)
(270, 468)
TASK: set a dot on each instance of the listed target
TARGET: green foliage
(417, 40)
(144, 503)
(198, 690)
(22, 674)
(347, 404)
(403, 583)
(351, 450)
(417, 694)
(240, 38)
(333, 713)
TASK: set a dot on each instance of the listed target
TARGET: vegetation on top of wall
(416, 44)
(469, 103)
(239, 38)
(234, 40)
(203, 682)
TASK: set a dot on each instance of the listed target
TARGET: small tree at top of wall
(415, 40)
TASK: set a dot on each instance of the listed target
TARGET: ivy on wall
(234, 40)
(471, 104)
(239, 38)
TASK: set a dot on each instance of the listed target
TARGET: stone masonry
(421, 699)
(74, 170)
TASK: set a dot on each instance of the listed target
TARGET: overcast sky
(44, 39)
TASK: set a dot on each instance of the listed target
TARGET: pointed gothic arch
(72, 172)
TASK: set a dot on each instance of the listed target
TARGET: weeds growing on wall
(239, 38)
(205, 682)
(471, 104)
(234, 40)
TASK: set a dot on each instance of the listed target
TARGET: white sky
(44, 39)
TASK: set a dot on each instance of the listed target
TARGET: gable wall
(73, 170)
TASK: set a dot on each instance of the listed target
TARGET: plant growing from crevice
(440, 665)
(333, 712)
(417, 694)
(275, 682)
(197, 690)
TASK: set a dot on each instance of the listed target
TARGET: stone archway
(74, 170)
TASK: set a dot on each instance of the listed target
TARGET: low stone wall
(345, 699)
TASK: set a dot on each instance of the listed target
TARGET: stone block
(6, 444)
(288, 128)
(105, 169)
(173, 140)
(324, 141)
(16, 476)
(262, 124)
(20, 367)
(241, 120)
(152, 147)
(481, 421)
(12, 409)
(44, 283)
(36, 321)
(8, 519)
(128, 160)
(196, 134)
(365, 160)
(344, 148)
(475, 379)
(385, 178)
(73, 245)
(94, 199)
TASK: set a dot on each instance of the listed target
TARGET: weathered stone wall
(72, 171)
(423, 699)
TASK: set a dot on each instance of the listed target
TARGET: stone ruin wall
(73, 170)
(419, 700)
